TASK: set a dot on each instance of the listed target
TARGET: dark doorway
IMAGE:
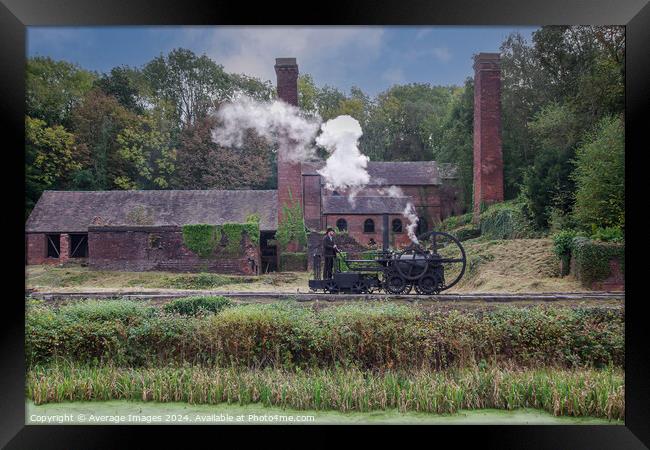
(268, 252)
(53, 245)
(79, 245)
(423, 227)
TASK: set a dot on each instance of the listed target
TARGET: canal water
(143, 413)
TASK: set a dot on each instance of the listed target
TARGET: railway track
(311, 296)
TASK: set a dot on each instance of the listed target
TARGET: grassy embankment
(515, 265)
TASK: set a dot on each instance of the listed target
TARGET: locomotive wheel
(451, 257)
(409, 257)
(427, 285)
(359, 287)
(395, 284)
(331, 287)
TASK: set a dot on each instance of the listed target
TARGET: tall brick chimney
(488, 158)
(289, 173)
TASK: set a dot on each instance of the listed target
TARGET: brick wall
(37, 249)
(160, 248)
(488, 159)
(312, 201)
(289, 173)
(355, 228)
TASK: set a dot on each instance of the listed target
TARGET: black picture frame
(16, 15)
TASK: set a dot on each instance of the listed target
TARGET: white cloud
(329, 52)
(393, 75)
(442, 54)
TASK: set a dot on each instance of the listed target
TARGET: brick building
(141, 230)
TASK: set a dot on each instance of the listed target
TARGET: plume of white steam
(275, 121)
(281, 123)
(410, 213)
(345, 168)
(392, 191)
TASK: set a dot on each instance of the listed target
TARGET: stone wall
(162, 248)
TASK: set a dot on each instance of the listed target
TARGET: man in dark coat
(329, 252)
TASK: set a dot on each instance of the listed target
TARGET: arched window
(397, 226)
(369, 226)
(423, 227)
(342, 224)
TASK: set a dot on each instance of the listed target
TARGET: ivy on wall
(200, 238)
(203, 239)
(292, 226)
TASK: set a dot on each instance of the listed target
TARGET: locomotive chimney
(384, 233)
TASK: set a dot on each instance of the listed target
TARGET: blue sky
(373, 58)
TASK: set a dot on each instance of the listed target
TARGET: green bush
(293, 262)
(608, 234)
(562, 246)
(192, 306)
(466, 232)
(374, 337)
(592, 259)
(600, 176)
(506, 221)
(453, 222)
(204, 280)
(88, 310)
(563, 242)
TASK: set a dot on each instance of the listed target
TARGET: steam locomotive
(434, 263)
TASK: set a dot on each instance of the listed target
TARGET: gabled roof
(386, 173)
(339, 204)
(74, 211)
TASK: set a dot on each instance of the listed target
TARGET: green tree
(49, 159)
(125, 84)
(203, 164)
(97, 121)
(457, 138)
(547, 183)
(192, 84)
(406, 123)
(600, 176)
(145, 146)
(54, 88)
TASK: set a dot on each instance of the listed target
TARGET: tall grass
(585, 392)
(378, 337)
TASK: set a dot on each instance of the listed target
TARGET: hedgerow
(191, 306)
(371, 337)
(592, 259)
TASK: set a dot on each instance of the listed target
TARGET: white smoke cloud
(410, 213)
(345, 168)
(276, 121)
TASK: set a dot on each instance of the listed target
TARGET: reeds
(583, 392)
